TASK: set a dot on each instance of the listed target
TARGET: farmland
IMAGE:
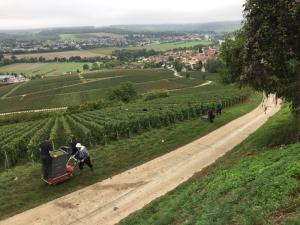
(88, 36)
(67, 90)
(107, 51)
(157, 47)
(45, 69)
(64, 54)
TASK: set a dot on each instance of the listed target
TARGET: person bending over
(83, 157)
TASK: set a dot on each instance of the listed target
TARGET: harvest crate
(59, 162)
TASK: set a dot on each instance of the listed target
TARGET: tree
(213, 65)
(266, 52)
(125, 93)
(95, 66)
(187, 75)
(272, 50)
(199, 65)
(231, 56)
(177, 65)
(86, 67)
(13, 58)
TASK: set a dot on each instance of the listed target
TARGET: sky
(24, 14)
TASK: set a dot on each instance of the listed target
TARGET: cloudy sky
(16, 14)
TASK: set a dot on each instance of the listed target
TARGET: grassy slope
(28, 191)
(48, 69)
(256, 183)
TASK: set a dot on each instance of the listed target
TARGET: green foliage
(213, 66)
(85, 67)
(187, 75)
(125, 93)
(266, 53)
(156, 94)
(92, 105)
(25, 117)
(199, 65)
(231, 56)
(95, 66)
(131, 54)
(177, 65)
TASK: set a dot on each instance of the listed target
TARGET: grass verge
(256, 183)
(21, 188)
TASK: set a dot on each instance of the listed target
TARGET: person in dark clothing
(210, 115)
(83, 157)
(219, 108)
(46, 148)
(73, 143)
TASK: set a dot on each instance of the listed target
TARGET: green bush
(156, 94)
(90, 106)
(125, 93)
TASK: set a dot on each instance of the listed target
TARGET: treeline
(13, 59)
(196, 48)
(130, 54)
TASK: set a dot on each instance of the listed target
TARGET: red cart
(62, 168)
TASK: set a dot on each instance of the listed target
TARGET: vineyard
(20, 141)
(68, 90)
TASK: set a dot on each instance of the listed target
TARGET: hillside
(115, 156)
(223, 26)
(68, 90)
(256, 183)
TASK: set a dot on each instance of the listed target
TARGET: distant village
(189, 58)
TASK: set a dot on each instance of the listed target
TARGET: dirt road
(109, 201)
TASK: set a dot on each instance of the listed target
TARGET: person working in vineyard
(46, 148)
(73, 142)
(219, 107)
(83, 157)
(210, 115)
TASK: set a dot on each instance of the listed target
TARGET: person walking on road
(83, 157)
(46, 148)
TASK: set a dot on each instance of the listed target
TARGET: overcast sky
(16, 14)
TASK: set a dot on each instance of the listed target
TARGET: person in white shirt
(83, 157)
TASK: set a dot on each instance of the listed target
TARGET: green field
(68, 90)
(45, 69)
(256, 183)
(118, 155)
(108, 50)
(68, 37)
(84, 36)
(157, 47)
